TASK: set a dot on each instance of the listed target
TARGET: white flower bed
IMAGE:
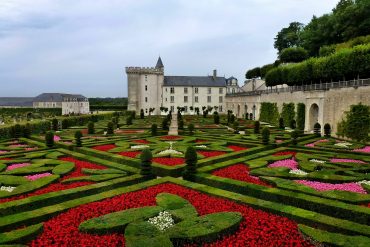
(343, 144)
(201, 146)
(169, 152)
(163, 221)
(318, 161)
(367, 182)
(7, 188)
(298, 172)
(139, 146)
(289, 130)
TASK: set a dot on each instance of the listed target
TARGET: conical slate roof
(159, 63)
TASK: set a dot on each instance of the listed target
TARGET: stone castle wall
(324, 106)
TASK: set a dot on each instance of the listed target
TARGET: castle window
(172, 108)
(166, 89)
(220, 99)
(209, 90)
(233, 90)
(220, 108)
(185, 90)
(146, 78)
(209, 99)
(186, 108)
(196, 90)
(146, 99)
(172, 90)
(221, 90)
(185, 99)
(196, 99)
(146, 87)
(166, 99)
(172, 99)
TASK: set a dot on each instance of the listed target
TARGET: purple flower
(319, 186)
(37, 176)
(334, 160)
(289, 163)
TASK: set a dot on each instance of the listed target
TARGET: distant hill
(16, 101)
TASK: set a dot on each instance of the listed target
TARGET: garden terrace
(264, 195)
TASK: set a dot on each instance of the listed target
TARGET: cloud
(82, 46)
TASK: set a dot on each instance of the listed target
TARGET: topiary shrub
(293, 124)
(236, 127)
(191, 160)
(27, 131)
(191, 128)
(49, 139)
(129, 120)
(165, 123)
(78, 136)
(17, 131)
(154, 129)
(90, 128)
(265, 135)
(294, 135)
(281, 123)
(216, 118)
(356, 124)
(327, 130)
(146, 163)
(246, 116)
(317, 129)
(133, 114)
(257, 127)
(142, 114)
(110, 130)
(181, 124)
(54, 124)
(301, 116)
(65, 123)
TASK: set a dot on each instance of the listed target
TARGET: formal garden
(119, 179)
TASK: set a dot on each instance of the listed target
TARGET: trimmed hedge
(269, 113)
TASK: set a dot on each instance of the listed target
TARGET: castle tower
(145, 87)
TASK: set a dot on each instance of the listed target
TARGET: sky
(83, 46)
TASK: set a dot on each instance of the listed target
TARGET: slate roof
(199, 81)
(16, 101)
(57, 97)
(159, 63)
(232, 78)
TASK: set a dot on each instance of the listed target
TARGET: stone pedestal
(174, 131)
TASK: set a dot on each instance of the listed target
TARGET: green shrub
(288, 113)
(78, 136)
(293, 124)
(65, 123)
(55, 124)
(146, 163)
(265, 135)
(90, 128)
(191, 160)
(281, 123)
(216, 118)
(165, 123)
(327, 130)
(110, 130)
(49, 139)
(181, 124)
(293, 55)
(294, 135)
(142, 114)
(17, 131)
(191, 128)
(129, 120)
(317, 129)
(357, 123)
(154, 129)
(27, 131)
(301, 116)
(257, 127)
(269, 113)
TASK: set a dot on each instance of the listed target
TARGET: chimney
(214, 74)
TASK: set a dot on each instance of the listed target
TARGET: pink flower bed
(363, 150)
(30, 148)
(316, 142)
(3, 152)
(56, 138)
(289, 163)
(347, 161)
(18, 165)
(18, 145)
(37, 176)
(319, 186)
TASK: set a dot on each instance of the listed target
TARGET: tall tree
(289, 36)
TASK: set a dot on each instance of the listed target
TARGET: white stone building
(150, 88)
(70, 103)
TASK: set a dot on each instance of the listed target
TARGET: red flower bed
(237, 148)
(131, 154)
(259, 228)
(208, 154)
(141, 141)
(200, 141)
(77, 172)
(169, 138)
(282, 153)
(6, 159)
(105, 148)
(239, 172)
(168, 161)
(84, 131)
